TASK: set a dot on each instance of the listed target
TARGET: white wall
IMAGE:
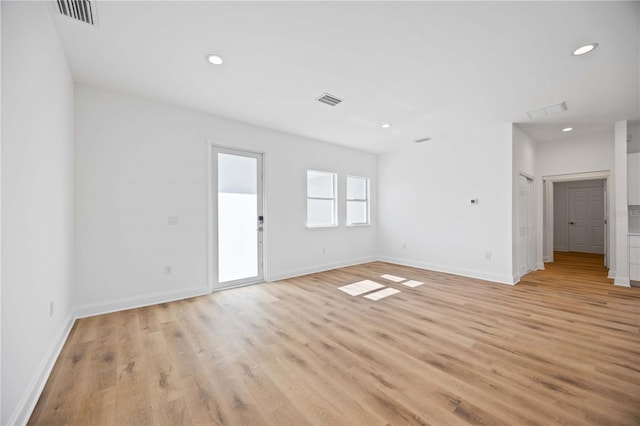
(633, 128)
(586, 153)
(524, 162)
(37, 204)
(634, 218)
(0, 218)
(580, 154)
(561, 210)
(621, 210)
(426, 218)
(139, 162)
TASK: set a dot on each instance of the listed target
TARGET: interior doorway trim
(212, 241)
(548, 182)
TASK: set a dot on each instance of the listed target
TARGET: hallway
(579, 272)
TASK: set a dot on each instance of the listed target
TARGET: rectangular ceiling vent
(80, 10)
(329, 99)
(547, 110)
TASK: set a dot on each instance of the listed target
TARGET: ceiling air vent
(547, 110)
(81, 10)
(329, 99)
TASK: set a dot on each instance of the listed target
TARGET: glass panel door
(239, 217)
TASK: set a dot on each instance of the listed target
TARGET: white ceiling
(424, 67)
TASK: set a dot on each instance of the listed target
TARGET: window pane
(357, 212)
(319, 184)
(320, 212)
(356, 188)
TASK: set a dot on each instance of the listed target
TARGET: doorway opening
(575, 219)
(236, 217)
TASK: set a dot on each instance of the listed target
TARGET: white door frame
(212, 223)
(548, 182)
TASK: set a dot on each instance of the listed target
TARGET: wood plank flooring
(561, 347)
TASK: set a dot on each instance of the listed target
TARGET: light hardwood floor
(561, 347)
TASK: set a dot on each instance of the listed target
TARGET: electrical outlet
(51, 306)
(172, 220)
(168, 270)
(488, 255)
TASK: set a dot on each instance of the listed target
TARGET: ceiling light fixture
(214, 59)
(386, 125)
(567, 129)
(585, 49)
(422, 140)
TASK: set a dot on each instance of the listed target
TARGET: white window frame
(366, 200)
(334, 199)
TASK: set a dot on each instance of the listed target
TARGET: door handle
(572, 223)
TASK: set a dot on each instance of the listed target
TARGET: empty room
(307, 213)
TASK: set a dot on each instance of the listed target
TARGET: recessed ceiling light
(386, 125)
(585, 49)
(567, 129)
(214, 59)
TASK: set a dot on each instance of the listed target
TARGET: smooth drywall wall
(633, 130)
(524, 163)
(426, 215)
(621, 210)
(0, 216)
(561, 210)
(579, 154)
(139, 162)
(37, 202)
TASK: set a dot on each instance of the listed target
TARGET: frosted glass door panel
(238, 239)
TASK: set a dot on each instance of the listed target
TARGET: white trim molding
(29, 399)
(547, 182)
(469, 273)
(117, 305)
(292, 273)
(622, 282)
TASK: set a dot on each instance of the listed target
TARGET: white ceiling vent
(547, 110)
(422, 140)
(80, 10)
(329, 99)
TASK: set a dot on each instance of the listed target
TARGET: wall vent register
(80, 10)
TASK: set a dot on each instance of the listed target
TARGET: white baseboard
(622, 282)
(292, 273)
(611, 274)
(100, 308)
(470, 273)
(29, 399)
(563, 249)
